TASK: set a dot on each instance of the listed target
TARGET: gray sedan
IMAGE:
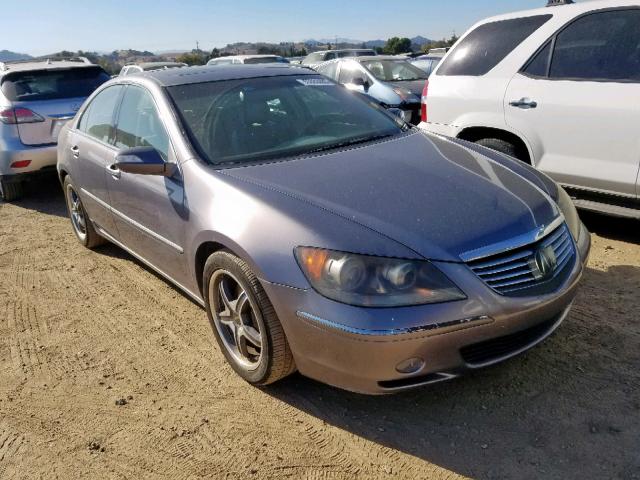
(321, 233)
(392, 81)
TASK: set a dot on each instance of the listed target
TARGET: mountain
(420, 40)
(375, 43)
(7, 56)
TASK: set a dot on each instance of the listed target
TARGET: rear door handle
(524, 103)
(114, 171)
(75, 150)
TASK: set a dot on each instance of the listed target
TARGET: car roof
(146, 65)
(44, 64)
(244, 57)
(345, 50)
(201, 74)
(569, 10)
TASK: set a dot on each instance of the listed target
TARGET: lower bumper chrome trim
(434, 327)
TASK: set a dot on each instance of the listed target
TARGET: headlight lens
(569, 211)
(369, 281)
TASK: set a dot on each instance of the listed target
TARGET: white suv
(558, 87)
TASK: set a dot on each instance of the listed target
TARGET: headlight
(569, 211)
(369, 281)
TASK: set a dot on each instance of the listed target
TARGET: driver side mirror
(144, 161)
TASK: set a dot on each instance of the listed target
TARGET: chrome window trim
(512, 243)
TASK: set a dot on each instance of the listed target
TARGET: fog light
(411, 365)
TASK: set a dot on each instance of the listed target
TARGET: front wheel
(244, 322)
(82, 226)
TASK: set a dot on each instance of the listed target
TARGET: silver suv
(37, 97)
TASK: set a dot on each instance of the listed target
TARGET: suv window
(599, 46)
(52, 84)
(97, 119)
(489, 44)
(139, 124)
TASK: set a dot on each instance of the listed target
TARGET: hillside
(8, 56)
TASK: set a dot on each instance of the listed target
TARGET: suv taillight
(15, 116)
(423, 106)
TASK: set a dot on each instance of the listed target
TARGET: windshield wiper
(349, 143)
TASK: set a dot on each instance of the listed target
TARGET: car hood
(430, 194)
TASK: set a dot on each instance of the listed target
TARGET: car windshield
(53, 84)
(393, 70)
(258, 119)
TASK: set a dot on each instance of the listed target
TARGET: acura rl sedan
(321, 233)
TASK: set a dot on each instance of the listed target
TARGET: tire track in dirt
(11, 443)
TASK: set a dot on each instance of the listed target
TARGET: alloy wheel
(78, 218)
(237, 319)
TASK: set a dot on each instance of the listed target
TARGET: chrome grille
(515, 271)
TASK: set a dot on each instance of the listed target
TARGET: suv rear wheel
(10, 191)
(499, 145)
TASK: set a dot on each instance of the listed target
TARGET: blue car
(320, 233)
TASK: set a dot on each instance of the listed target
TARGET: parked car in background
(149, 66)
(247, 60)
(426, 63)
(320, 233)
(37, 97)
(392, 81)
(555, 87)
(316, 58)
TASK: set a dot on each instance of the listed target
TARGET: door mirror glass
(143, 161)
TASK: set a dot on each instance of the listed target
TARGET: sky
(38, 27)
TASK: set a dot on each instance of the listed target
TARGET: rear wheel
(82, 226)
(244, 321)
(10, 191)
(499, 145)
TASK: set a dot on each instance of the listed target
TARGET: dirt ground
(106, 371)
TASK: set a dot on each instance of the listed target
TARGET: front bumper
(359, 349)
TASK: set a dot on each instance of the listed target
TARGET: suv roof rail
(556, 3)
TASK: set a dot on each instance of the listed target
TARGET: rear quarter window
(52, 84)
(487, 45)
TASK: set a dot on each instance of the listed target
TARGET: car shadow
(561, 410)
(43, 194)
(615, 228)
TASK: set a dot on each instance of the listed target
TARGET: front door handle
(114, 171)
(524, 103)
(75, 151)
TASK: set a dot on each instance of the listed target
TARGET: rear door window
(487, 45)
(599, 46)
(52, 84)
(97, 119)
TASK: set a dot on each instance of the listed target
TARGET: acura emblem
(543, 263)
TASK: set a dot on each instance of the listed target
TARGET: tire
(275, 360)
(499, 145)
(10, 191)
(80, 221)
